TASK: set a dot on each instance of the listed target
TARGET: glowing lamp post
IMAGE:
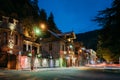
(37, 32)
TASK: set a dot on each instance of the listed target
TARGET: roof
(71, 33)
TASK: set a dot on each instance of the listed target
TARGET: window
(16, 39)
(5, 37)
(40, 48)
(24, 47)
(29, 47)
(50, 46)
(63, 47)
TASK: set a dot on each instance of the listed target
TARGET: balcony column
(27, 46)
(38, 49)
(31, 48)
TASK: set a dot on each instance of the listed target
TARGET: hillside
(89, 39)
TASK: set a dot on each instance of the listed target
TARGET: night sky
(74, 15)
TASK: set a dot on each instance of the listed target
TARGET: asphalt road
(81, 73)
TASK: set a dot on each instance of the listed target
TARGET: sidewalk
(49, 69)
(69, 68)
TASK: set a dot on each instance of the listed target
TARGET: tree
(51, 24)
(36, 9)
(27, 14)
(43, 16)
(109, 39)
(43, 20)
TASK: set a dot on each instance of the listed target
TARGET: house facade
(18, 51)
(10, 42)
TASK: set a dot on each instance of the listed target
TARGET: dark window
(63, 47)
(11, 20)
(24, 47)
(5, 38)
(16, 39)
(35, 50)
(28, 47)
(50, 46)
(40, 48)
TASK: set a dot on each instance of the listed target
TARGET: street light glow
(30, 54)
(43, 26)
(71, 46)
(37, 31)
(39, 55)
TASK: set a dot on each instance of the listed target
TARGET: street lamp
(44, 28)
(32, 54)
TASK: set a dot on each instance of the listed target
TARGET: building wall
(5, 50)
(10, 43)
(51, 49)
(54, 50)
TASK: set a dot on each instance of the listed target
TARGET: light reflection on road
(105, 65)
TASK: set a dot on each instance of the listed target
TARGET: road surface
(79, 73)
